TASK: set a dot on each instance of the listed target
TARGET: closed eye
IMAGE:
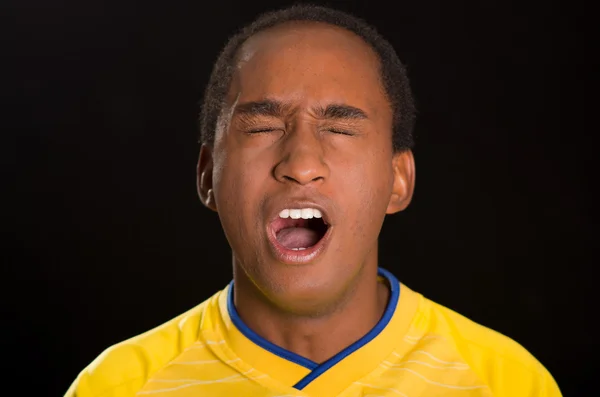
(262, 130)
(274, 129)
(342, 132)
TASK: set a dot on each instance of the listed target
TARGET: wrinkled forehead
(308, 61)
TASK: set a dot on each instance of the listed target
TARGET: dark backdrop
(107, 238)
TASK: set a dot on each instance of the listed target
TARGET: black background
(107, 239)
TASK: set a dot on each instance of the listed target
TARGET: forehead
(309, 62)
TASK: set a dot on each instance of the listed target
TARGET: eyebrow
(274, 108)
(267, 107)
(341, 111)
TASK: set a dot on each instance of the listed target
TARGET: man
(306, 137)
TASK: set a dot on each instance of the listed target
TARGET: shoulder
(502, 363)
(122, 369)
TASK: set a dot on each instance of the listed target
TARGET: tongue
(297, 237)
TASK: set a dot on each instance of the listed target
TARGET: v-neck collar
(351, 363)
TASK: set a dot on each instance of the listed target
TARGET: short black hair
(393, 72)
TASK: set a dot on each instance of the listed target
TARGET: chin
(304, 290)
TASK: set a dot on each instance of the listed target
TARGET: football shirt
(418, 348)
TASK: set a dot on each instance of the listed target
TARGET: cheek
(238, 184)
(234, 207)
(367, 177)
(367, 191)
(231, 188)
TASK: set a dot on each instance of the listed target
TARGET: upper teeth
(304, 213)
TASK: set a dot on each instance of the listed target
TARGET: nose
(302, 161)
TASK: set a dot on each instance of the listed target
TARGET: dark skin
(277, 141)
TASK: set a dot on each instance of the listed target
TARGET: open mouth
(299, 234)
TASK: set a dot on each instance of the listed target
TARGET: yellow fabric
(425, 350)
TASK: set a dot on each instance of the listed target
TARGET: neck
(316, 336)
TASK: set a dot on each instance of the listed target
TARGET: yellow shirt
(418, 348)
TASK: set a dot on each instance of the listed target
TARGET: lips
(299, 241)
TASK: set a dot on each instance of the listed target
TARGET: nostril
(302, 181)
(300, 169)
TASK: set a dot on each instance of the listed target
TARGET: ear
(204, 181)
(403, 164)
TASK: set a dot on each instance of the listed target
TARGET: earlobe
(403, 164)
(204, 181)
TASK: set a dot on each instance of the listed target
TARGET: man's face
(307, 127)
